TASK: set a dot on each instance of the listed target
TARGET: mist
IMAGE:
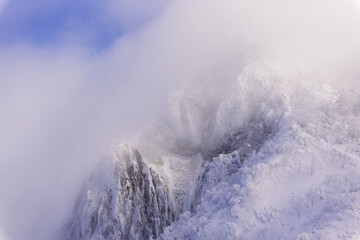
(62, 105)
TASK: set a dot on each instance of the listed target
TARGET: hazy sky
(75, 75)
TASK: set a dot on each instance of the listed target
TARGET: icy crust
(304, 183)
(123, 199)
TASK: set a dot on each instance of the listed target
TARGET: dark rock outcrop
(123, 199)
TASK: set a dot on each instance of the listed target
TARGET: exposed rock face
(123, 199)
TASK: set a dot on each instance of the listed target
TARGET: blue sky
(91, 23)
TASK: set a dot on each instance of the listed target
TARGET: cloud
(131, 14)
(62, 105)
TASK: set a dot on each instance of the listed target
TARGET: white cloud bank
(61, 107)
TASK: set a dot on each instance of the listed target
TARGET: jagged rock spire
(123, 199)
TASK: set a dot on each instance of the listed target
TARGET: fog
(63, 105)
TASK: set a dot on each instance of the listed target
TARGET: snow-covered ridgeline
(303, 183)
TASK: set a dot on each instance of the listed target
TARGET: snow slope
(303, 182)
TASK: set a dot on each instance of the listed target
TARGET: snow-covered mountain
(273, 155)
